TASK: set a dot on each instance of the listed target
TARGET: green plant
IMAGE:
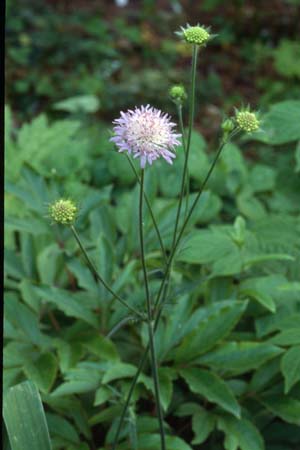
(227, 342)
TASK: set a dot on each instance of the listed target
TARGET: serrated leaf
(203, 424)
(280, 124)
(67, 303)
(240, 357)
(25, 418)
(42, 371)
(213, 388)
(288, 409)
(290, 367)
(210, 331)
(240, 434)
(61, 427)
(119, 370)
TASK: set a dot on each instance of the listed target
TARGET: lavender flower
(147, 133)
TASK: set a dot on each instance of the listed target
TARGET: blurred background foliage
(232, 320)
(129, 55)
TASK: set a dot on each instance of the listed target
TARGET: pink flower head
(146, 133)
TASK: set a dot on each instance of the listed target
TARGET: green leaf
(25, 418)
(280, 124)
(297, 157)
(287, 337)
(42, 371)
(102, 347)
(166, 386)
(240, 434)
(61, 427)
(262, 289)
(79, 104)
(288, 409)
(213, 388)
(102, 395)
(240, 357)
(203, 424)
(68, 303)
(290, 367)
(152, 442)
(215, 327)
(117, 371)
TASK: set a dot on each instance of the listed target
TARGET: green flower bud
(63, 211)
(228, 125)
(197, 35)
(247, 121)
(178, 94)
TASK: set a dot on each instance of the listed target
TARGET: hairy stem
(188, 145)
(150, 323)
(150, 211)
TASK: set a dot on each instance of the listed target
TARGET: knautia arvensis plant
(148, 134)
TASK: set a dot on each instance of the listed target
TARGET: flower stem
(150, 211)
(150, 322)
(99, 278)
(188, 145)
(176, 244)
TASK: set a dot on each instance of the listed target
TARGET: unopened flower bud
(247, 121)
(197, 35)
(63, 211)
(228, 125)
(178, 94)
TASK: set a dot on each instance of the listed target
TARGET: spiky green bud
(247, 121)
(63, 211)
(196, 35)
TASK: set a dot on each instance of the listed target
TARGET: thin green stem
(188, 145)
(150, 211)
(187, 186)
(99, 278)
(174, 248)
(141, 232)
(150, 323)
(129, 395)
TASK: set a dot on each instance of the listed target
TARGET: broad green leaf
(262, 178)
(119, 370)
(102, 394)
(290, 367)
(25, 418)
(215, 327)
(239, 357)
(288, 409)
(66, 302)
(79, 380)
(25, 321)
(83, 274)
(42, 371)
(264, 375)
(240, 434)
(61, 427)
(213, 388)
(297, 156)
(281, 123)
(166, 386)
(287, 337)
(203, 423)
(153, 442)
(102, 347)
(107, 415)
(79, 104)
(262, 289)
